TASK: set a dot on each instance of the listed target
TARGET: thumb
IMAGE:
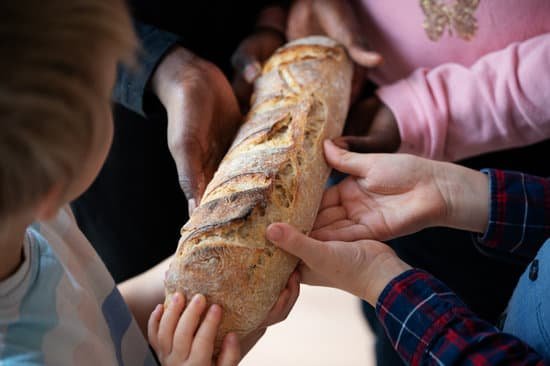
(345, 161)
(246, 65)
(191, 175)
(286, 237)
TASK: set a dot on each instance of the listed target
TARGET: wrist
(178, 67)
(384, 268)
(466, 194)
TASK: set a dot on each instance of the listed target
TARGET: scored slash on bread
(274, 172)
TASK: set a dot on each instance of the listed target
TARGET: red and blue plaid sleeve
(429, 325)
(519, 217)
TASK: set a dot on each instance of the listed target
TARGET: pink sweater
(455, 98)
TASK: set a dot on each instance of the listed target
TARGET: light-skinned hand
(391, 195)
(179, 337)
(362, 268)
(203, 117)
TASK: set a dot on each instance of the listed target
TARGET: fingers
(345, 161)
(168, 323)
(203, 115)
(203, 345)
(338, 20)
(153, 326)
(364, 57)
(364, 144)
(285, 302)
(345, 231)
(230, 353)
(246, 65)
(294, 242)
(370, 127)
(187, 325)
(255, 49)
(243, 92)
(331, 197)
(337, 225)
(293, 286)
(330, 215)
(191, 205)
(188, 158)
(302, 21)
(175, 336)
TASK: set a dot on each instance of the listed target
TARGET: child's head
(57, 66)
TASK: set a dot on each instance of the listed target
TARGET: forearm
(466, 193)
(143, 292)
(510, 210)
(428, 324)
(451, 111)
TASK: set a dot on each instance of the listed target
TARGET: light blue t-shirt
(62, 307)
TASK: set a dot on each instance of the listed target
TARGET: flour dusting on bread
(274, 172)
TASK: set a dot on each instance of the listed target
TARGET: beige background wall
(325, 328)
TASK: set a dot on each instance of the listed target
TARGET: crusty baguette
(274, 171)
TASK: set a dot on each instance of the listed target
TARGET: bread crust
(274, 172)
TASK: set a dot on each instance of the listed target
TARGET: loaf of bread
(274, 172)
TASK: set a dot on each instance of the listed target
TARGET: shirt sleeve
(519, 214)
(429, 325)
(132, 83)
(452, 112)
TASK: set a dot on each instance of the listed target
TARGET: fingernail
(214, 309)
(158, 308)
(274, 233)
(191, 205)
(251, 71)
(197, 298)
(232, 338)
(176, 298)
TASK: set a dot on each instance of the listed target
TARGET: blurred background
(325, 328)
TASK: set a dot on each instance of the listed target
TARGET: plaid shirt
(428, 324)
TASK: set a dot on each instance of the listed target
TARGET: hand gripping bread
(274, 171)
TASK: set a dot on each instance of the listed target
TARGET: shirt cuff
(519, 215)
(132, 83)
(414, 309)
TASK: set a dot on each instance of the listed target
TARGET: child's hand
(362, 268)
(391, 195)
(371, 127)
(179, 337)
(171, 331)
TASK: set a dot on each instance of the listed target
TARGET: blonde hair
(49, 88)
